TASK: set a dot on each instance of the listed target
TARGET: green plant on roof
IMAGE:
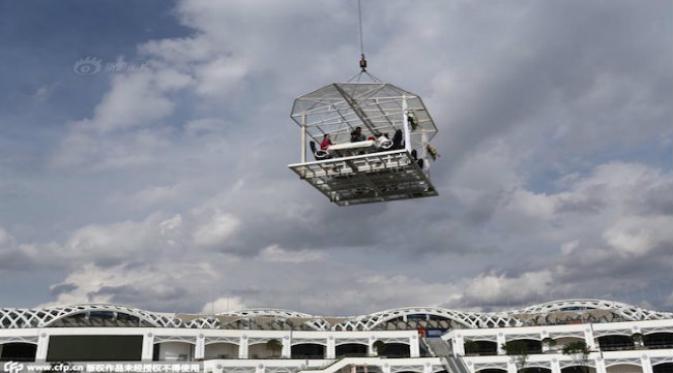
(519, 350)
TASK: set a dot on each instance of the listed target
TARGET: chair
(384, 144)
(318, 154)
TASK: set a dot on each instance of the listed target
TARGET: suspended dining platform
(370, 143)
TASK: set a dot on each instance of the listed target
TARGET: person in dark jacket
(398, 140)
(357, 135)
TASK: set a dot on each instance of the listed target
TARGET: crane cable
(363, 61)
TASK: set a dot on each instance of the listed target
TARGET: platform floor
(374, 177)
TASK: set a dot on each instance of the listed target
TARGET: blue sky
(163, 184)
(40, 49)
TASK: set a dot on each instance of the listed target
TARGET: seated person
(318, 154)
(325, 143)
(398, 140)
(383, 142)
(357, 135)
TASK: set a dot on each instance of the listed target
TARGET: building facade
(570, 336)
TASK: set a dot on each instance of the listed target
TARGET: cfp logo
(13, 367)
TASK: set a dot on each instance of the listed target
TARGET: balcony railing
(658, 346)
(617, 347)
(559, 349)
(481, 353)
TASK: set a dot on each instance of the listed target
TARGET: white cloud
(125, 129)
(534, 205)
(5, 238)
(151, 195)
(165, 284)
(122, 240)
(217, 230)
(637, 236)
(224, 304)
(275, 253)
(206, 125)
(87, 281)
(220, 78)
(83, 149)
(568, 248)
(133, 100)
(493, 288)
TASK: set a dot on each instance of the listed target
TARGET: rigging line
(362, 44)
(363, 60)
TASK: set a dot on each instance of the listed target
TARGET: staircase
(331, 367)
(455, 364)
(339, 364)
(441, 349)
(438, 347)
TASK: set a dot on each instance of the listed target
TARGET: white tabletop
(351, 145)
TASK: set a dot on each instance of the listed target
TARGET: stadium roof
(550, 313)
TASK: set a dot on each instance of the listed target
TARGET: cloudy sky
(144, 149)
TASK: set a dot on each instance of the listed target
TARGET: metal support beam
(148, 347)
(303, 138)
(405, 122)
(42, 347)
(356, 108)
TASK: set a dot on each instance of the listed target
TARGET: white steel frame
(375, 177)
(21, 318)
(38, 325)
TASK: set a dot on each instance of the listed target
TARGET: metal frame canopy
(377, 108)
(338, 108)
(21, 318)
